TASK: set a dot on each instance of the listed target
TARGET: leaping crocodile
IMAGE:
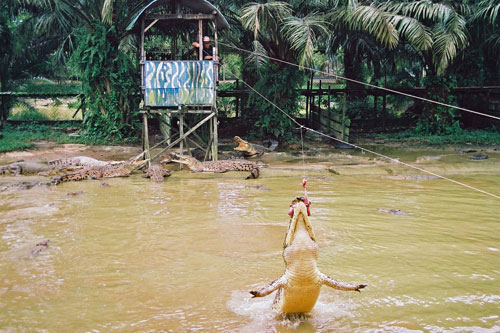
(218, 166)
(298, 288)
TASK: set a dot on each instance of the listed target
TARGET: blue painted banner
(172, 83)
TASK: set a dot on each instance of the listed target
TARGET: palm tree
(284, 31)
(485, 24)
(287, 32)
(443, 26)
(109, 74)
(22, 51)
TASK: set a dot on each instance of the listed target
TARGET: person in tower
(208, 49)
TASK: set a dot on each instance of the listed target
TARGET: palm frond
(414, 31)
(128, 44)
(301, 34)
(254, 58)
(425, 9)
(448, 38)
(492, 43)
(367, 19)
(107, 11)
(259, 17)
(487, 11)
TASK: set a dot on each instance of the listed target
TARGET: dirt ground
(46, 151)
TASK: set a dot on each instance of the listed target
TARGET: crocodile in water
(298, 288)
(100, 172)
(219, 166)
(156, 173)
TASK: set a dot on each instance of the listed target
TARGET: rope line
(366, 150)
(364, 83)
(303, 157)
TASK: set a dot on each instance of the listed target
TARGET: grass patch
(48, 87)
(20, 137)
(28, 113)
(482, 137)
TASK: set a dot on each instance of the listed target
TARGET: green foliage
(109, 82)
(436, 119)
(279, 85)
(23, 136)
(29, 113)
(48, 87)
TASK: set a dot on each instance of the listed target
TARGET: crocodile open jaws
(298, 288)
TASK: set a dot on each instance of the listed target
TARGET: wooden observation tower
(176, 85)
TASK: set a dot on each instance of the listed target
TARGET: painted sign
(173, 83)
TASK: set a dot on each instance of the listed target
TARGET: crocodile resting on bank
(67, 164)
(218, 166)
(26, 167)
(99, 172)
(298, 288)
(250, 150)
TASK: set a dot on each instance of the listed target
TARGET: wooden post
(216, 54)
(330, 115)
(200, 39)
(146, 138)
(237, 98)
(311, 100)
(329, 98)
(320, 97)
(307, 102)
(181, 138)
(142, 61)
(215, 142)
(181, 133)
(311, 109)
(344, 110)
(165, 125)
(208, 153)
(174, 48)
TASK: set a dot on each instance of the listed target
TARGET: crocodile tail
(61, 179)
(254, 174)
(56, 180)
(65, 178)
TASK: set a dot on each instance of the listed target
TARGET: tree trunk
(353, 70)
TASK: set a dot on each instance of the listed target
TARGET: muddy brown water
(182, 255)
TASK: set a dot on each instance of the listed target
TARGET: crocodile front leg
(275, 285)
(254, 174)
(331, 282)
(17, 170)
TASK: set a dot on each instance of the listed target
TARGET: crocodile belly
(296, 299)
